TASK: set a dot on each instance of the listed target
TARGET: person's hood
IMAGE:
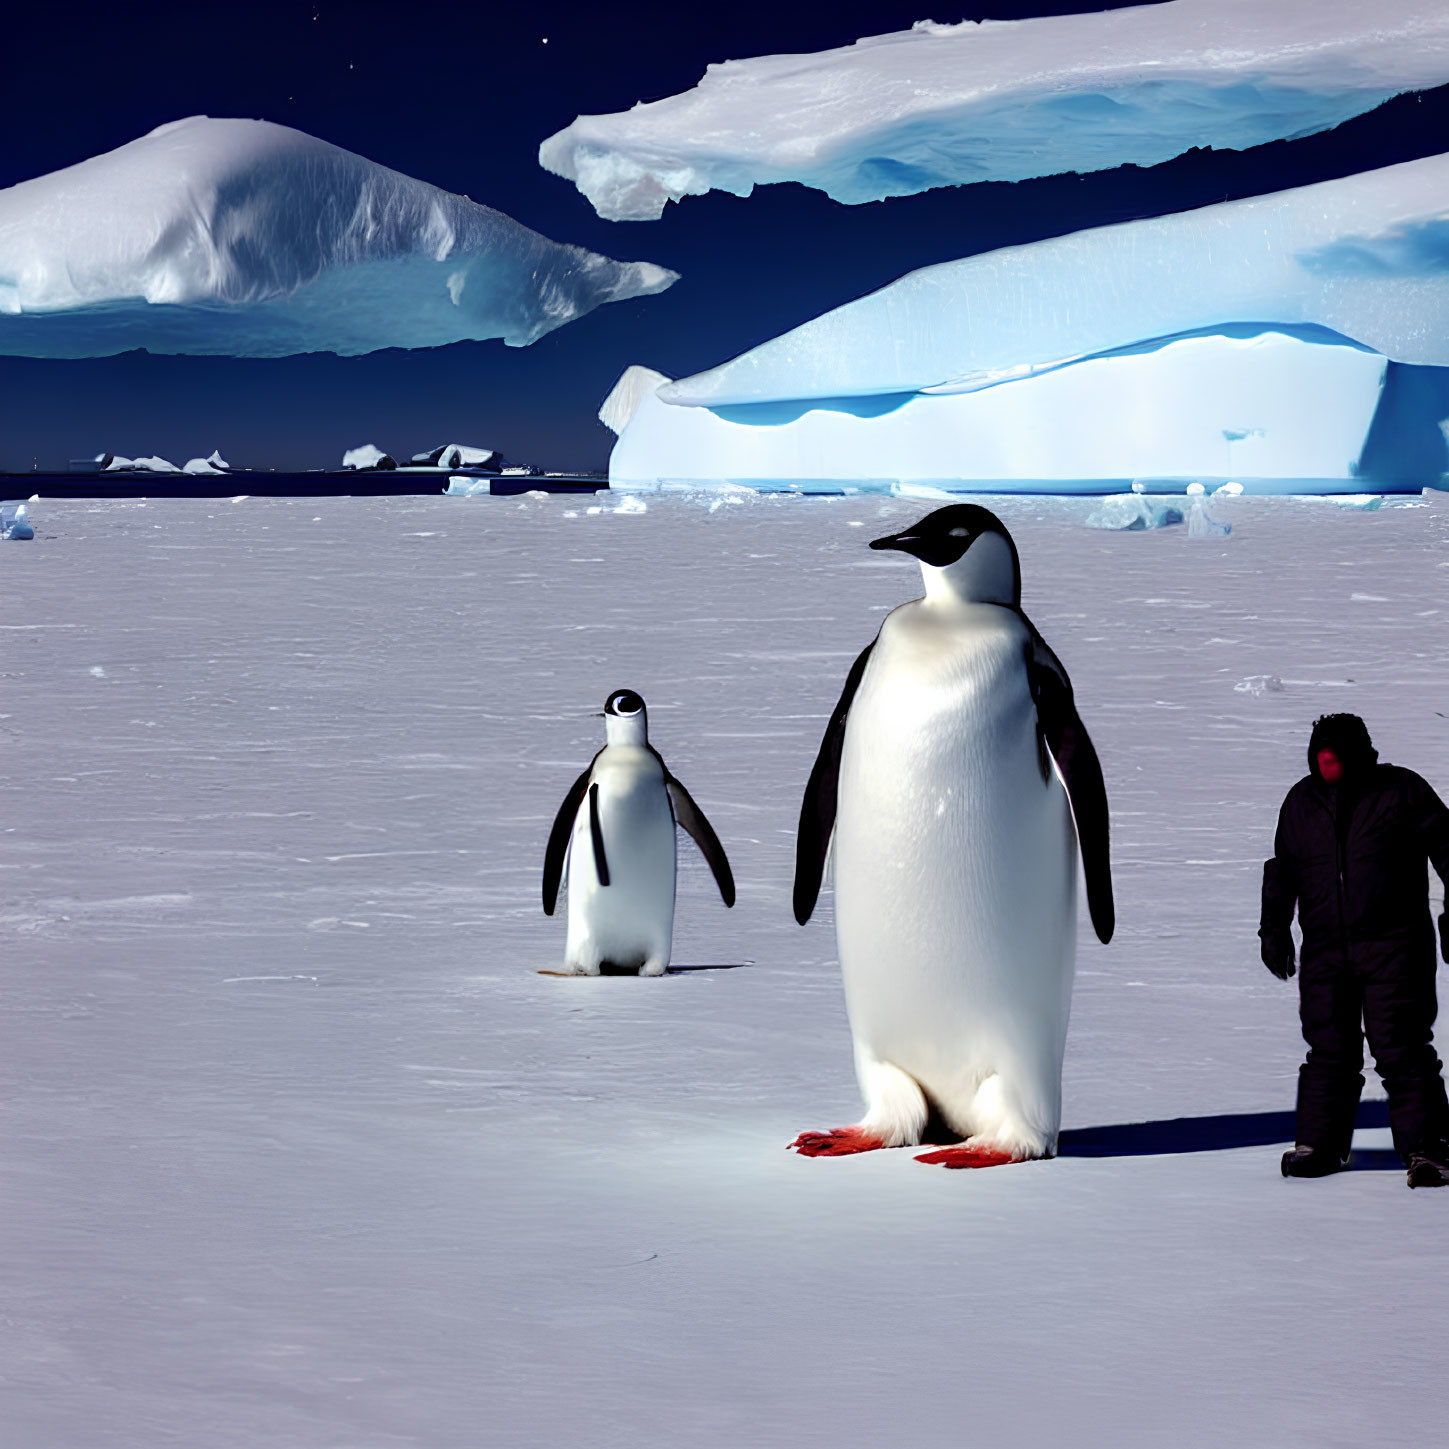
(1348, 737)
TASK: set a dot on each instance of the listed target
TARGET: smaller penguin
(616, 829)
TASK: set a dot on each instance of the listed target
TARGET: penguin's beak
(905, 542)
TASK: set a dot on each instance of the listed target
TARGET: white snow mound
(1366, 257)
(248, 238)
(945, 105)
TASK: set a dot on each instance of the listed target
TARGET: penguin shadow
(1218, 1134)
(609, 969)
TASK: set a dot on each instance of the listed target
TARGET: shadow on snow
(1217, 1134)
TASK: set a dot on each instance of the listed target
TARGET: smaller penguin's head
(964, 551)
(626, 721)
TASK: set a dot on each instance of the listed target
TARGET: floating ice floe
(368, 456)
(465, 487)
(945, 105)
(247, 238)
(15, 522)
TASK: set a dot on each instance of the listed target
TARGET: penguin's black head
(623, 704)
(942, 538)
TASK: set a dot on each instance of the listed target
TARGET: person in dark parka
(1353, 838)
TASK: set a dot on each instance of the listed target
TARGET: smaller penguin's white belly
(631, 920)
(955, 865)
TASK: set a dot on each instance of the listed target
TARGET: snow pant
(1388, 992)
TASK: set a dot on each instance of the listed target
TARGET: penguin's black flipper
(691, 817)
(558, 839)
(596, 835)
(817, 809)
(1071, 747)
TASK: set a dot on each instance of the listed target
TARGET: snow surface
(1366, 256)
(252, 239)
(301, 1152)
(1289, 413)
(946, 105)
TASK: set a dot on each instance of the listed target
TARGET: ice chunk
(1259, 684)
(944, 105)
(457, 455)
(634, 385)
(369, 455)
(468, 487)
(15, 522)
(248, 238)
(1301, 411)
(1133, 512)
(1201, 523)
(1366, 257)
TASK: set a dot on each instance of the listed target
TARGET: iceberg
(214, 464)
(369, 455)
(116, 464)
(456, 455)
(255, 240)
(946, 105)
(1288, 411)
(1366, 257)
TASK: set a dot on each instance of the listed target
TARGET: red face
(1330, 767)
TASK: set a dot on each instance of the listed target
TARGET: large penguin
(616, 828)
(957, 779)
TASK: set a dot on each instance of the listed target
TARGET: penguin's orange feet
(964, 1156)
(838, 1142)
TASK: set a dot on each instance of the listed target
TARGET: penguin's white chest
(629, 921)
(955, 862)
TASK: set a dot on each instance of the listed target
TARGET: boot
(1430, 1168)
(1313, 1162)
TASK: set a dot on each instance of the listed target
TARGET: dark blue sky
(460, 96)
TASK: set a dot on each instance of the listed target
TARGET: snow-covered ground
(301, 1152)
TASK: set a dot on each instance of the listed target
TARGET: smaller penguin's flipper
(596, 835)
(1071, 747)
(558, 840)
(692, 818)
(817, 809)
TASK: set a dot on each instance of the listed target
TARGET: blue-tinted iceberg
(1366, 257)
(945, 105)
(1292, 412)
(251, 239)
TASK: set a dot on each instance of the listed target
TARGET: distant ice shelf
(252, 239)
(945, 105)
(1283, 411)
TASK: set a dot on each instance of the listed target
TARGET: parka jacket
(1352, 858)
